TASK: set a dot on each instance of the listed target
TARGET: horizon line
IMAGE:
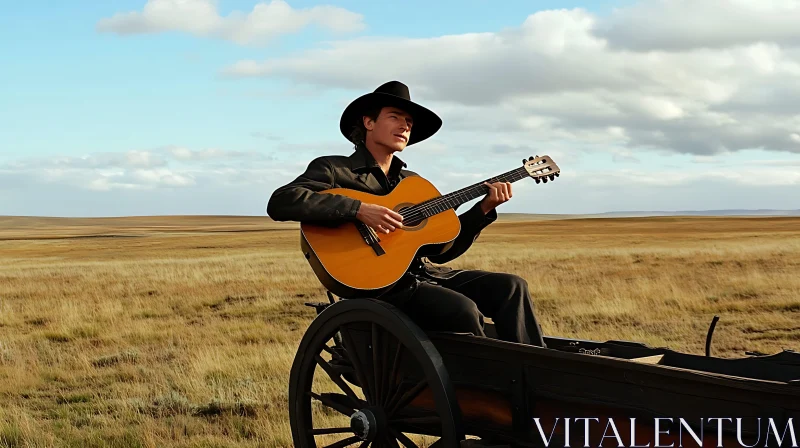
(709, 212)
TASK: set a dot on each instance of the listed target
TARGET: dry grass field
(178, 332)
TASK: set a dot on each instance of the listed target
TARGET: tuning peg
(524, 161)
(556, 174)
(538, 180)
(544, 179)
(552, 177)
(530, 158)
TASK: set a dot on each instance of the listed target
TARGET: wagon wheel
(370, 343)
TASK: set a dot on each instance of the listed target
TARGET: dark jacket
(299, 200)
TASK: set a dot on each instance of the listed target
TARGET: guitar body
(346, 258)
(348, 267)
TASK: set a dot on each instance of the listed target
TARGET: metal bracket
(710, 335)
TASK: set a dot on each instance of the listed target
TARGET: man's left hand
(499, 192)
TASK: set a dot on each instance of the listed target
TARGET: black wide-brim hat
(391, 94)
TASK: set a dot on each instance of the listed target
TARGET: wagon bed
(388, 381)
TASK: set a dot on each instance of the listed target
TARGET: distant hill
(642, 214)
(732, 212)
(166, 221)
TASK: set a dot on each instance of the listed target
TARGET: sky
(175, 107)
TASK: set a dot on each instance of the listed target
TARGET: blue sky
(101, 116)
(100, 92)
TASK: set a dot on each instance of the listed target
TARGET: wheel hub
(367, 423)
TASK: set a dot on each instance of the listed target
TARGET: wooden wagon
(365, 375)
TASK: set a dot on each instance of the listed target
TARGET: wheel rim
(370, 344)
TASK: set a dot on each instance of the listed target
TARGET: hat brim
(426, 122)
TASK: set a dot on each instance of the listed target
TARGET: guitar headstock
(541, 168)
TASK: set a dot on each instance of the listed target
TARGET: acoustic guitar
(352, 260)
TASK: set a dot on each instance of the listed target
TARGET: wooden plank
(488, 349)
(655, 359)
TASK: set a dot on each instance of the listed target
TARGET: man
(381, 124)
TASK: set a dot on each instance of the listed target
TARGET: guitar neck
(453, 200)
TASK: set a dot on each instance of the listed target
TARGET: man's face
(391, 130)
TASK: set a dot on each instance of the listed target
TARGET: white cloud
(587, 183)
(623, 155)
(181, 153)
(133, 159)
(611, 99)
(201, 18)
(102, 160)
(143, 159)
(558, 77)
(738, 177)
(706, 159)
(168, 167)
(133, 180)
(677, 25)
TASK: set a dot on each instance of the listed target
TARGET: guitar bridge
(371, 238)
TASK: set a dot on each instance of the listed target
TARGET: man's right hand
(380, 218)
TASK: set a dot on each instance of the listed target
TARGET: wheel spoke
(343, 443)
(357, 366)
(391, 442)
(405, 379)
(386, 387)
(394, 387)
(376, 368)
(333, 404)
(337, 378)
(321, 431)
(408, 443)
(328, 349)
(406, 398)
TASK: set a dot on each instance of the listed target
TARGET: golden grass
(180, 331)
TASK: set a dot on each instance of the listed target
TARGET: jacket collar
(362, 159)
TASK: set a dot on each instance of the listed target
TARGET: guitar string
(419, 210)
(367, 233)
(464, 195)
(465, 192)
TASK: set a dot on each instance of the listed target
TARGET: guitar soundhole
(413, 223)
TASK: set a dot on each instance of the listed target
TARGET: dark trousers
(460, 303)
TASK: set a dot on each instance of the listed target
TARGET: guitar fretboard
(452, 200)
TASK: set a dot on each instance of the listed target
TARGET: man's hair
(358, 134)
